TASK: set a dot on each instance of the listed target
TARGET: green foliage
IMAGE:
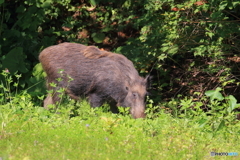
(98, 37)
(215, 94)
(158, 36)
(215, 114)
(153, 34)
(14, 60)
(8, 85)
(26, 128)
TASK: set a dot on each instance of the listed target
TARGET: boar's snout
(138, 111)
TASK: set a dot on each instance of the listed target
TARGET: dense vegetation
(190, 47)
(76, 131)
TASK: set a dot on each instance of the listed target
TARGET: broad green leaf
(98, 37)
(46, 4)
(215, 94)
(202, 122)
(20, 9)
(14, 60)
(220, 126)
(223, 5)
(235, 3)
(106, 29)
(127, 4)
(164, 49)
(210, 34)
(93, 2)
(38, 71)
(162, 57)
(200, 50)
(232, 103)
(173, 49)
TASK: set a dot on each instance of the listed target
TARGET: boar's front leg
(113, 106)
(95, 100)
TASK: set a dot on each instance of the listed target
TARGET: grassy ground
(29, 132)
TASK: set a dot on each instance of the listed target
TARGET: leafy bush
(188, 46)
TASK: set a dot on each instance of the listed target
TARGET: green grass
(30, 132)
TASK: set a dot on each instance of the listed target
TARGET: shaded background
(188, 47)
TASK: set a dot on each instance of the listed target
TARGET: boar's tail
(95, 53)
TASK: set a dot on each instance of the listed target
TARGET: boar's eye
(127, 88)
(135, 95)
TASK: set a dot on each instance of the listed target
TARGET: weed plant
(77, 131)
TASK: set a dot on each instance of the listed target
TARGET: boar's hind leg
(95, 100)
(51, 99)
(48, 100)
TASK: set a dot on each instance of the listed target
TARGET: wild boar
(101, 76)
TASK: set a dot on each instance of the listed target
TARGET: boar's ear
(147, 81)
